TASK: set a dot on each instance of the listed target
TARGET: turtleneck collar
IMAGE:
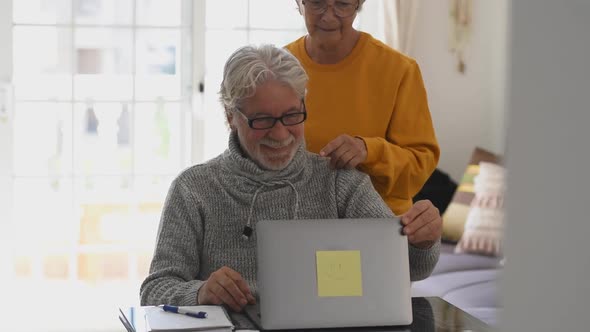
(237, 161)
(240, 165)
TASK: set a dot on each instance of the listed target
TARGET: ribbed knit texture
(208, 205)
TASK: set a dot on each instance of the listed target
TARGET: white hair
(250, 66)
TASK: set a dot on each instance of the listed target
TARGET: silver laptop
(332, 273)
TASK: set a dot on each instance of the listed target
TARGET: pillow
(484, 227)
(455, 216)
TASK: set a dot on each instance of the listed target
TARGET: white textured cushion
(484, 227)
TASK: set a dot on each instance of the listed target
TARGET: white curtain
(399, 22)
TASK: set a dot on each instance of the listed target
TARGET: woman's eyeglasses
(342, 8)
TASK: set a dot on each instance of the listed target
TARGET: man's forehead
(261, 108)
(272, 98)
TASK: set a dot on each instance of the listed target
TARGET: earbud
(247, 232)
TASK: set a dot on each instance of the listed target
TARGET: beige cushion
(484, 227)
(456, 214)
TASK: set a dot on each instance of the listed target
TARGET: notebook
(158, 320)
(332, 273)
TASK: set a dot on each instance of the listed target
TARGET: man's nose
(279, 132)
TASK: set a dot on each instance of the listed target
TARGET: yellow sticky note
(339, 273)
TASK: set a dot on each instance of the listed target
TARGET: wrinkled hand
(345, 151)
(226, 286)
(422, 224)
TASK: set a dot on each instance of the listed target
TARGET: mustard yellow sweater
(378, 94)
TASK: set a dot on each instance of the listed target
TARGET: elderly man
(206, 247)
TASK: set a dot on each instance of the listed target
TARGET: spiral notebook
(158, 320)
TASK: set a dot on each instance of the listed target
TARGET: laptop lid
(333, 273)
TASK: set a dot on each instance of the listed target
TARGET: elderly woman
(368, 109)
(266, 173)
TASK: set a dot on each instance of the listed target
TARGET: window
(101, 96)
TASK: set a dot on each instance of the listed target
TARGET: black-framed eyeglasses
(267, 122)
(342, 8)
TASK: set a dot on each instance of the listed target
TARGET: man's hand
(226, 286)
(345, 151)
(422, 224)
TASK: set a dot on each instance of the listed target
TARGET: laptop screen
(333, 272)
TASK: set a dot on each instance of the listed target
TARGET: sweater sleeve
(400, 163)
(357, 198)
(175, 265)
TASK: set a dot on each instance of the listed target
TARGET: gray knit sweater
(208, 206)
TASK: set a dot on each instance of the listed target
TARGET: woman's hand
(345, 151)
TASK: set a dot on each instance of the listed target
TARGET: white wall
(467, 109)
(5, 135)
(5, 39)
(547, 275)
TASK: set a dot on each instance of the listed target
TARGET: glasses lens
(293, 118)
(315, 6)
(262, 123)
(344, 8)
(341, 8)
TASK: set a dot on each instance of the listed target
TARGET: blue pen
(178, 310)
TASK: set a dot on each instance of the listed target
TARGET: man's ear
(229, 116)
